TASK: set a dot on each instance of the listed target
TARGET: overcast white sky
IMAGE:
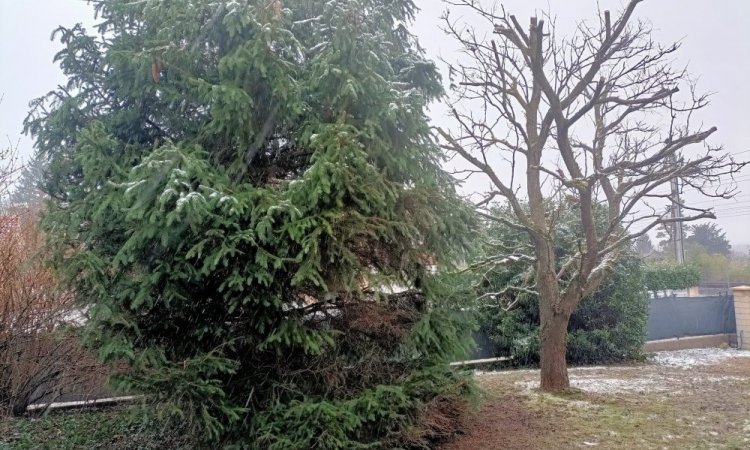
(715, 39)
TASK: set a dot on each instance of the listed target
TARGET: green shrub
(608, 326)
(667, 276)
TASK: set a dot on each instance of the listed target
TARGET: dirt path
(694, 399)
(505, 423)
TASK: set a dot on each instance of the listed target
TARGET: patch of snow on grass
(640, 379)
(619, 385)
(609, 385)
(686, 359)
(643, 384)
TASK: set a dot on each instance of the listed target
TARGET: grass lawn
(693, 399)
(113, 428)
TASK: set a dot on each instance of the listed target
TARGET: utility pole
(676, 213)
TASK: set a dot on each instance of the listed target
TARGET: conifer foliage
(237, 186)
(26, 192)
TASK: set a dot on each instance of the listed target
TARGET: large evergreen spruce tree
(237, 186)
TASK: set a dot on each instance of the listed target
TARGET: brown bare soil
(505, 423)
(705, 405)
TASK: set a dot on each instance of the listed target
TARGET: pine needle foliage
(236, 187)
(26, 192)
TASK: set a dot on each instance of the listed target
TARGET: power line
(720, 201)
(730, 216)
(729, 213)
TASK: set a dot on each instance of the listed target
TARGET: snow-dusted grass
(687, 359)
(600, 385)
(633, 383)
(687, 399)
(643, 379)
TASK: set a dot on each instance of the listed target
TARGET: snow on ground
(686, 359)
(606, 385)
(600, 385)
(643, 385)
(664, 375)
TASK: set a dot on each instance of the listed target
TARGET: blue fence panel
(673, 317)
(668, 317)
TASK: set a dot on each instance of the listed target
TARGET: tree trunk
(553, 337)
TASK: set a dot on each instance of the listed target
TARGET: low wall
(714, 340)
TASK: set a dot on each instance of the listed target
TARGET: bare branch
(604, 123)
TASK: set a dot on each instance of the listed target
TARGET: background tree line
(707, 249)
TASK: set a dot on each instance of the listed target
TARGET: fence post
(742, 315)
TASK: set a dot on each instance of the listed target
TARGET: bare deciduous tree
(40, 357)
(595, 122)
(9, 168)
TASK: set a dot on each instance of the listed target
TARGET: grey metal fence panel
(673, 317)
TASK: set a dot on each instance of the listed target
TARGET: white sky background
(715, 40)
